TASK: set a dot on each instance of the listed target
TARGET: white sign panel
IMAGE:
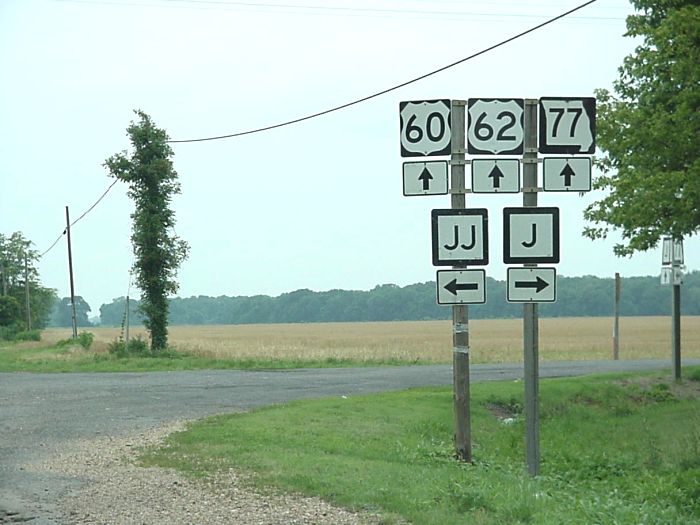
(671, 276)
(425, 128)
(567, 125)
(425, 178)
(460, 237)
(672, 251)
(461, 286)
(495, 126)
(666, 251)
(495, 175)
(566, 173)
(532, 285)
(678, 251)
(530, 235)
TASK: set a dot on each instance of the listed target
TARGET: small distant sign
(672, 251)
(671, 276)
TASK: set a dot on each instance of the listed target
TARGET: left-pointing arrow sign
(461, 286)
(453, 286)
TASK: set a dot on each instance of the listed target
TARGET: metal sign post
(672, 255)
(530, 313)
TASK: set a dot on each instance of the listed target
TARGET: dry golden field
(491, 341)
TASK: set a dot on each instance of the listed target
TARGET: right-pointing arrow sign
(539, 284)
(532, 285)
(461, 286)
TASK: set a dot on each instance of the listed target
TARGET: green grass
(62, 358)
(613, 451)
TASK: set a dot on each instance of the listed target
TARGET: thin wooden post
(460, 312)
(70, 272)
(26, 293)
(616, 319)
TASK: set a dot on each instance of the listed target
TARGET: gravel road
(64, 437)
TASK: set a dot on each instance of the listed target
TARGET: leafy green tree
(649, 130)
(14, 251)
(10, 311)
(63, 312)
(158, 251)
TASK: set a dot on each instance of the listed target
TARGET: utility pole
(616, 319)
(26, 292)
(530, 310)
(126, 328)
(460, 312)
(70, 272)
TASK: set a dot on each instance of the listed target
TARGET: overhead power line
(393, 88)
(79, 218)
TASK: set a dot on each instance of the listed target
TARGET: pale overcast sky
(315, 205)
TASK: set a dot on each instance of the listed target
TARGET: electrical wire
(393, 88)
(79, 218)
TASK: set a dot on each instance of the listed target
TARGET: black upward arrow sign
(496, 174)
(453, 287)
(426, 177)
(567, 173)
(539, 285)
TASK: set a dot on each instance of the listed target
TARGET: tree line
(24, 303)
(576, 296)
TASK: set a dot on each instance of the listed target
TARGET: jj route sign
(530, 235)
(495, 126)
(532, 285)
(566, 173)
(567, 125)
(425, 178)
(425, 128)
(461, 286)
(495, 175)
(460, 237)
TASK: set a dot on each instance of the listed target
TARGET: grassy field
(613, 451)
(491, 341)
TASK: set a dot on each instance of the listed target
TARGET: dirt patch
(504, 411)
(653, 386)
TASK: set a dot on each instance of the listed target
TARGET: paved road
(39, 412)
